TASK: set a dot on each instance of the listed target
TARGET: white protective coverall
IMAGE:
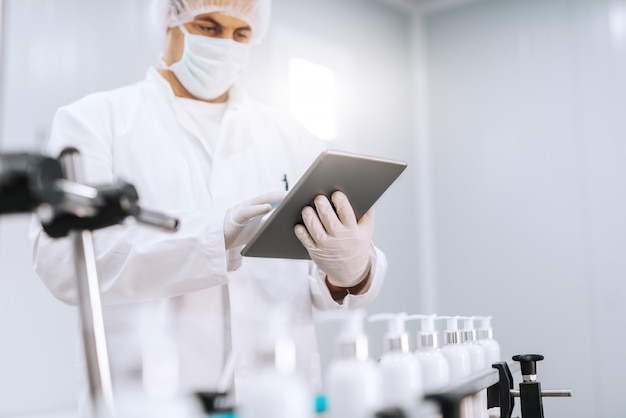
(138, 134)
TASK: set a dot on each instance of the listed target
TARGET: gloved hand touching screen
(336, 242)
(244, 219)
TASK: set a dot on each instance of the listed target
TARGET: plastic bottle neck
(452, 337)
(485, 334)
(469, 335)
(399, 344)
(427, 341)
(354, 349)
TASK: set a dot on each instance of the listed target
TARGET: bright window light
(313, 97)
(617, 20)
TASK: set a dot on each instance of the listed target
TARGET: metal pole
(90, 307)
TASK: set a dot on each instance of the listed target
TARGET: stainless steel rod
(550, 393)
(90, 309)
(150, 217)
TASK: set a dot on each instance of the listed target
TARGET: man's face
(214, 25)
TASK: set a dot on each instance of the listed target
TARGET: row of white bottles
(357, 387)
(468, 355)
(406, 376)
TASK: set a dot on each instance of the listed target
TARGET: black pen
(286, 182)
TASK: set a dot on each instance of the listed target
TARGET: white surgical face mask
(210, 66)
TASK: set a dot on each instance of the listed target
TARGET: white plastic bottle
(485, 339)
(478, 364)
(401, 376)
(273, 389)
(433, 364)
(491, 346)
(458, 359)
(152, 351)
(353, 380)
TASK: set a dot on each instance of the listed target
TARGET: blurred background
(510, 114)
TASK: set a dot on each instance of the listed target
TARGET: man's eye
(242, 35)
(207, 28)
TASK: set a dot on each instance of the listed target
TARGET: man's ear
(173, 31)
(172, 46)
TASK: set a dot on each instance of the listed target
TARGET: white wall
(60, 50)
(527, 131)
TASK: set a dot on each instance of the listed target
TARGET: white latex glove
(244, 219)
(336, 242)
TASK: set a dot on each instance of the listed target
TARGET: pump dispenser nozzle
(485, 332)
(427, 336)
(271, 388)
(351, 339)
(278, 343)
(469, 332)
(396, 338)
(452, 334)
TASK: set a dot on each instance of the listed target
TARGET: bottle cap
(351, 339)
(274, 346)
(469, 333)
(452, 334)
(396, 338)
(485, 332)
(427, 336)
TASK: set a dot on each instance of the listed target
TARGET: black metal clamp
(498, 383)
(47, 186)
(530, 393)
(500, 393)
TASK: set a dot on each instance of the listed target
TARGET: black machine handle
(530, 393)
(36, 183)
(528, 363)
(500, 392)
(27, 181)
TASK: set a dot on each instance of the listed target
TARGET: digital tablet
(362, 178)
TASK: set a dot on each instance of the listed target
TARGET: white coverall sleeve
(135, 262)
(322, 298)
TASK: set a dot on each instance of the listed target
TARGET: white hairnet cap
(255, 13)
